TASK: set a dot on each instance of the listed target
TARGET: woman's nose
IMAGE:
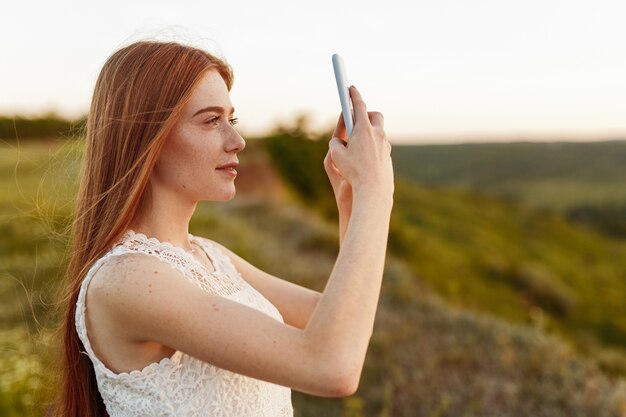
(236, 142)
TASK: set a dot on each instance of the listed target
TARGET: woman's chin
(228, 195)
(223, 195)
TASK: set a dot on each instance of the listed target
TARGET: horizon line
(515, 135)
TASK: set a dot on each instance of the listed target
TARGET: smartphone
(344, 94)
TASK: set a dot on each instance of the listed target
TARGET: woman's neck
(165, 217)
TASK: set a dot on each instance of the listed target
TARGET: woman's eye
(214, 120)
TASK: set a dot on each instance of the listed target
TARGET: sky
(439, 71)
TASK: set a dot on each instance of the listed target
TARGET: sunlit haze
(439, 71)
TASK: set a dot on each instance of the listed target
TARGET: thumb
(329, 165)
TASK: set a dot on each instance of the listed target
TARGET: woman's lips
(229, 168)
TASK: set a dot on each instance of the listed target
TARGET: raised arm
(147, 301)
(342, 323)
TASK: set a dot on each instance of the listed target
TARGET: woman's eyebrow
(217, 109)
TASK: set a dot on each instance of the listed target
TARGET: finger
(377, 119)
(334, 177)
(336, 148)
(340, 130)
(330, 167)
(360, 109)
(336, 142)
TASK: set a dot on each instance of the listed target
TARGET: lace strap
(220, 260)
(218, 282)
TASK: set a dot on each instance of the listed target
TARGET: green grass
(482, 253)
(487, 308)
(36, 185)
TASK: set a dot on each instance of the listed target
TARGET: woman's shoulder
(126, 261)
(115, 271)
(120, 287)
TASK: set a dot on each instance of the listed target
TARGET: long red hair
(137, 99)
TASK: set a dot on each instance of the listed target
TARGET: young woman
(160, 322)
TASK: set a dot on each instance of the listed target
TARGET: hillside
(486, 254)
(435, 351)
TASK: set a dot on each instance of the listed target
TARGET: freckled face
(202, 140)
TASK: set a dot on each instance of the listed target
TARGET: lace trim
(219, 283)
(225, 281)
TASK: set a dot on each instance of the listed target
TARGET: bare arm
(344, 317)
(152, 302)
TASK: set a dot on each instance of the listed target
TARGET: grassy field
(488, 308)
(36, 186)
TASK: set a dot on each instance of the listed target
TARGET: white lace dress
(182, 385)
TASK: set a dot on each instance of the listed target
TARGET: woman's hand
(362, 163)
(364, 159)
